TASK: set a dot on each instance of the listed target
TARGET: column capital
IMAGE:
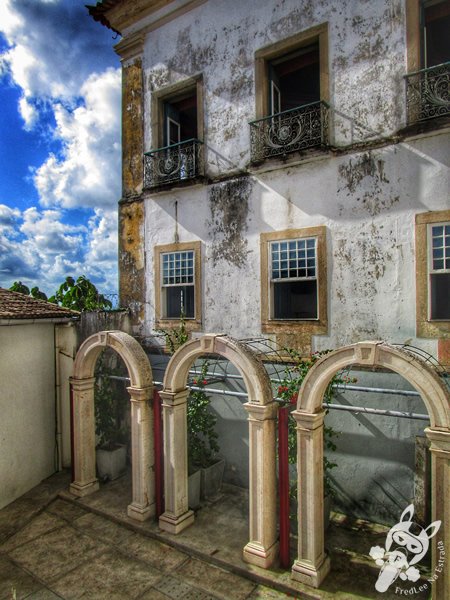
(174, 398)
(308, 420)
(81, 385)
(440, 440)
(140, 394)
(261, 412)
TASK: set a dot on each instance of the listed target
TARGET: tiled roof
(20, 306)
(98, 12)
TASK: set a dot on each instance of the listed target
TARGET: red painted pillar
(283, 484)
(158, 439)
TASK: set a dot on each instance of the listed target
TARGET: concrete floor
(53, 545)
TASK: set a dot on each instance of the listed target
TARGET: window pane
(177, 299)
(440, 295)
(295, 300)
(178, 267)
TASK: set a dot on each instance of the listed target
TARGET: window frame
(317, 325)
(431, 270)
(172, 93)
(192, 323)
(263, 56)
(425, 327)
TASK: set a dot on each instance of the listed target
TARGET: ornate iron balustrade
(427, 93)
(289, 131)
(174, 163)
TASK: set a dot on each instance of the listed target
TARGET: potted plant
(110, 426)
(202, 438)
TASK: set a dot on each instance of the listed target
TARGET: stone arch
(262, 548)
(312, 564)
(140, 390)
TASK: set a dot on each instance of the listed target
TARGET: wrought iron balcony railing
(289, 131)
(174, 163)
(427, 93)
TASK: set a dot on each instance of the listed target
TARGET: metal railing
(289, 131)
(427, 93)
(174, 163)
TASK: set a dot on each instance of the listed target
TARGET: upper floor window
(428, 42)
(439, 271)
(291, 95)
(177, 132)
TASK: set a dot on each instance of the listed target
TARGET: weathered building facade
(286, 175)
(314, 226)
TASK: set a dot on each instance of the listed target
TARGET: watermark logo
(406, 544)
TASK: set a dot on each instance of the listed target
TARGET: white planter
(111, 464)
(212, 479)
(194, 484)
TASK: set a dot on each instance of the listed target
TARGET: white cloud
(87, 174)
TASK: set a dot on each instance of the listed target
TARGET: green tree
(80, 294)
(35, 292)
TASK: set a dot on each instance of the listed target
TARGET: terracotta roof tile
(19, 306)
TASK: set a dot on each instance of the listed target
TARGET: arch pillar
(262, 548)
(142, 454)
(85, 481)
(440, 509)
(312, 564)
(177, 515)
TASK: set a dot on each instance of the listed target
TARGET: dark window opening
(294, 79)
(180, 120)
(436, 33)
(295, 299)
(179, 299)
(440, 296)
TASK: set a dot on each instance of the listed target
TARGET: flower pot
(194, 484)
(212, 479)
(111, 463)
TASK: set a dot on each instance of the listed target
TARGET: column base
(84, 489)
(172, 524)
(141, 513)
(255, 554)
(306, 572)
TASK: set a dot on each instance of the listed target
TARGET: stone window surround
(424, 326)
(312, 326)
(319, 34)
(173, 92)
(194, 324)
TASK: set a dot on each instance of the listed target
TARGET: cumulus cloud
(62, 62)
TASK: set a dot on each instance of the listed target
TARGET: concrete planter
(194, 486)
(111, 464)
(212, 479)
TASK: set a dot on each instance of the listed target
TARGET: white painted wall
(27, 408)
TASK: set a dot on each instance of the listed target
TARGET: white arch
(312, 564)
(140, 389)
(263, 546)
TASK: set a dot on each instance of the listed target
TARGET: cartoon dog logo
(406, 544)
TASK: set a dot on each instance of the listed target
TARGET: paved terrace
(53, 545)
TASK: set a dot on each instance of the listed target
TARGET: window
(439, 271)
(428, 44)
(433, 274)
(291, 80)
(177, 284)
(294, 280)
(177, 134)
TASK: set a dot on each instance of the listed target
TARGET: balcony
(173, 164)
(427, 93)
(289, 131)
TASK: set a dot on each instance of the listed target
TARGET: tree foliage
(80, 294)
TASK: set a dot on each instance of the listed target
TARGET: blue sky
(59, 145)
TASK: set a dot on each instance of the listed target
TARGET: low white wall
(27, 408)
